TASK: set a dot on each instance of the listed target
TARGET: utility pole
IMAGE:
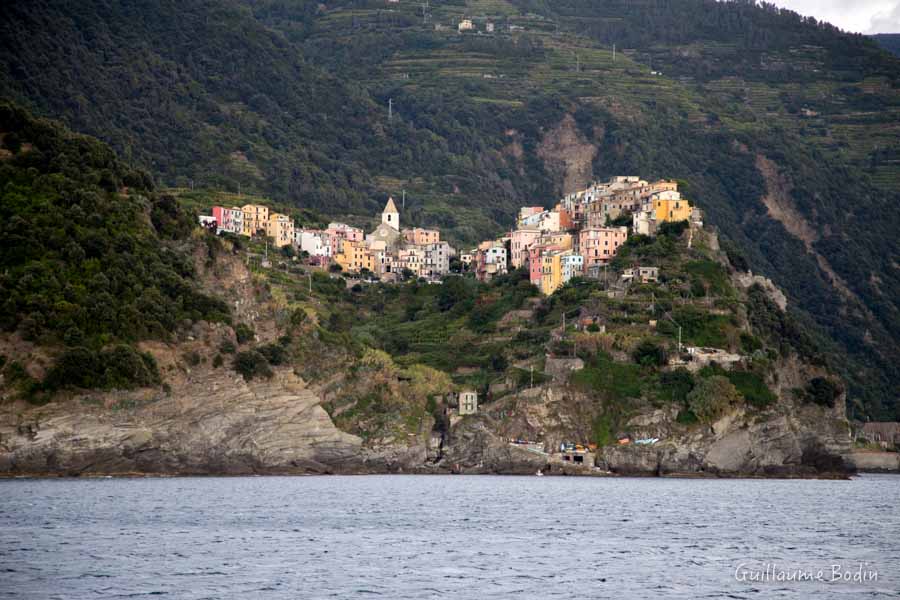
(532, 377)
(404, 200)
(614, 52)
(239, 189)
(577, 63)
(390, 108)
(668, 316)
(309, 276)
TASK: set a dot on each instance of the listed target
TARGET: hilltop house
(668, 207)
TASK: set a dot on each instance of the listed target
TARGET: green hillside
(93, 261)
(783, 129)
(888, 41)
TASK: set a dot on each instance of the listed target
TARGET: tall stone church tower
(391, 216)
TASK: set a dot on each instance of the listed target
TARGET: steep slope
(93, 261)
(201, 93)
(783, 129)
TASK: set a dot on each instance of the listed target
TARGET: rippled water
(442, 537)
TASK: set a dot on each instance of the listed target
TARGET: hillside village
(578, 237)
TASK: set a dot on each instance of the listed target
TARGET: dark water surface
(445, 537)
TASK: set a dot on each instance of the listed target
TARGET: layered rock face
(219, 425)
(786, 443)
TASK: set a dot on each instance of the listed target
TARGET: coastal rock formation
(220, 425)
(225, 425)
(788, 441)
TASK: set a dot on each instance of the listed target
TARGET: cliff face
(224, 425)
(210, 425)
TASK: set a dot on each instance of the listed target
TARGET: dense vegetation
(290, 99)
(93, 259)
(889, 41)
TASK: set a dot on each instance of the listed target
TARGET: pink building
(520, 241)
(338, 232)
(228, 219)
(598, 245)
(219, 216)
(534, 263)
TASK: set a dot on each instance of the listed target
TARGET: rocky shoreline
(226, 426)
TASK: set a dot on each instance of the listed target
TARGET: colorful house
(354, 257)
(557, 268)
(338, 233)
(669, 207)
(256, 217)
(421, 237)
(551, 272)
(520, 241)
(281, 229)
(598, 245)
(229, 219)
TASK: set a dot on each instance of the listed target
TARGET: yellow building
(256, 218)
(563, 241)
(670, 207)
(551, 272)
(281, 229)
(354, 257)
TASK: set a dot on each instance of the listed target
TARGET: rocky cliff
(212, 424)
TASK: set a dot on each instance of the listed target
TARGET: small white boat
(540, 473)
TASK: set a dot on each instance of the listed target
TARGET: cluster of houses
(576, 239)
(388, 252)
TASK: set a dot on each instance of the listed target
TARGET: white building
(572, 266)
(466, 25)
(547, 220)
(437, 259)
(644, 222)
(314, 243)
(468, 402)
